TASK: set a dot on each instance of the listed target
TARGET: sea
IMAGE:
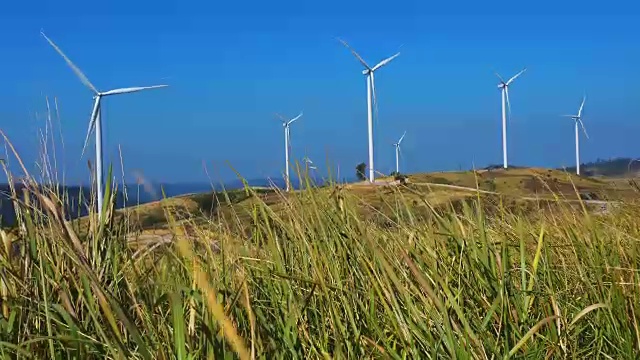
(76, 206)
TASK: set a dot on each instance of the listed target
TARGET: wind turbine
(309, 163)
(287, 137)
(371, 90)
(578, 119)
(505, 98)
(95, 121)
(397, 146)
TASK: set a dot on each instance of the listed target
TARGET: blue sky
(232, 65)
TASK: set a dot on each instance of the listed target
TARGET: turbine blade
(374, 95)
(294, 119)
(73, 67)
(516, 76)
(131, 90)
(584, 98)
(385, 62)
(402, 137)
(282, 119)
(364, 63)
(571, 116)
(506, 91)
(92, 123)
(584, 130)
(499, 77)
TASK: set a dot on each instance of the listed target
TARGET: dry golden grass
(336, 272)
(519, 186)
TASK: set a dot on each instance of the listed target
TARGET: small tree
(360, 169)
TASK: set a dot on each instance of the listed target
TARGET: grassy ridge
(514, 189)
(323, 273)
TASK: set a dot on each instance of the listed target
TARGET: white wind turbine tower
(95, 120)
(371, 91)
(287, 138)
(397, 146)
(505, 102)
(578, 119)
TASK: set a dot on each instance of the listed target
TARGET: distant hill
(525, 189)
(136, 195)
(78, 196)
(615, 167)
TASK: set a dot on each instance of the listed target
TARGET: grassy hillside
(350, 271)
(519, 188)
(531, 182)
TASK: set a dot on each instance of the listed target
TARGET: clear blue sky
(232, 65)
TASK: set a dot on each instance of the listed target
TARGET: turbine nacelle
(368, 69)
(505, 84)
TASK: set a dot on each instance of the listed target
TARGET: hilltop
(518, 180)
(524, 189)
(614, 167)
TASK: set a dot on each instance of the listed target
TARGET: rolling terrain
(523, 190)
(76, 196)
(486, 264)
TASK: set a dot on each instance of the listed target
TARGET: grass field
(519, 189)
(342, 271)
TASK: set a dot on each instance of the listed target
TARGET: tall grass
(318, 279)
